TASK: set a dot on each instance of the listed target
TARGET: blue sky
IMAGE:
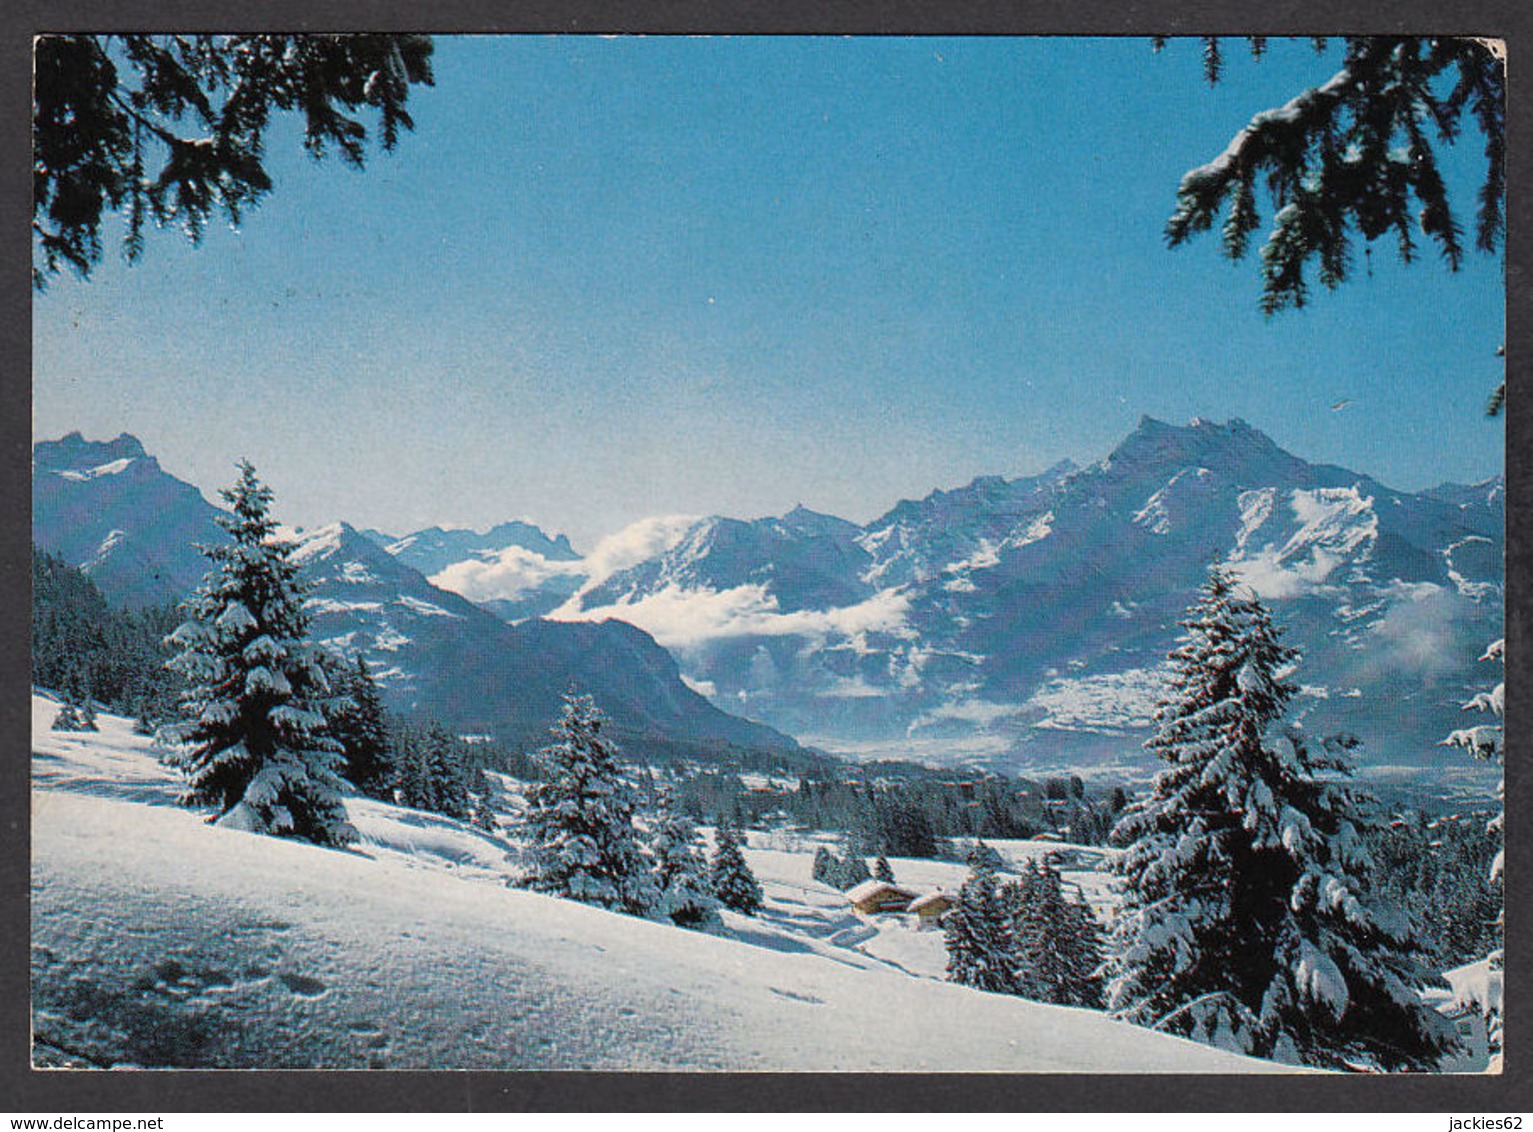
(612, 278)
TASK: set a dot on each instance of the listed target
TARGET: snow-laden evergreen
(1248, 919)
(980, 945)
(1487, 741)
(733, 882)
(825, 866)
(1055, 940)
(449, 780)
(76, 713)
(840, 872)
(1083, 944)
(360, 727)
(253, 728)
(681, 869)
(580, 820)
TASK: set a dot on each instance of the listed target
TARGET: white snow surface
(1478, 985)
(1332, 526)
(160, 940)
(309, 545)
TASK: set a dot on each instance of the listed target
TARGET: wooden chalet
(879, 896)
(932, 907)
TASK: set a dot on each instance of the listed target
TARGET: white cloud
(686, 618)
(506, 577)
(516, 571)
(1269, 577)
(1422, 631)
(981, 713)
(1114, 699)
(705, 688)
(635, 543)
(851, 688)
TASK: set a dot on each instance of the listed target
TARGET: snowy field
(158, 940)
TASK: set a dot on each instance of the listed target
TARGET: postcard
(916, 554)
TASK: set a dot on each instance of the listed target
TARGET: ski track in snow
(159, 940)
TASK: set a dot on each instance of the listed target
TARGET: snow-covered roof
(1477, 985)
(869, 888)
(931, 898)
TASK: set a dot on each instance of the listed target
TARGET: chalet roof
(931, 898)
(870, 888)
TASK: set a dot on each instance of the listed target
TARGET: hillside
(161, 941)
(1021, 625)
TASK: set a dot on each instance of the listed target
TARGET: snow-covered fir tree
(77, 711)
(144, 718)
(358, 724)
(825, 866)
(981, 855)
(1083, 980)
(733, 882)
(1033, 905)
(1055, 940)
(854, 870)
(445, 774)
(883, 871)
(481, 809)
(582, 841)
(681, 868)
(978, 936)
(253, 726)
(1248, 919)
(411, 778)
(71, 717)
(426, 771)
(1487, 741)
(87, 712)
(837, 871)
(1086, 825)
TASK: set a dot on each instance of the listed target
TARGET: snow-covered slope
(158, 940)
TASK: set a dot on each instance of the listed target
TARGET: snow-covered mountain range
(111, 510)
(1026, 622)
(1020, 623)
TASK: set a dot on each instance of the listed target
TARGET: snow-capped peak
(77, 458)
(317, 542)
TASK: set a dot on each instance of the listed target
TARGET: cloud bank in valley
(509, 575)
(686, 618)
